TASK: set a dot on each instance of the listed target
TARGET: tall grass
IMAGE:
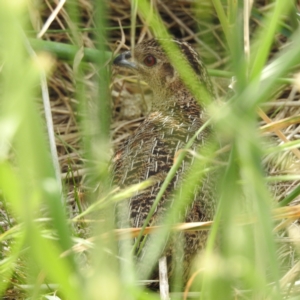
(41, 249)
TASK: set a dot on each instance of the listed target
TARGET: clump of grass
(45, 252)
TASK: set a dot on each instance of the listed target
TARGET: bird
(150, 152)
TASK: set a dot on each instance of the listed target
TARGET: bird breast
(150, 153)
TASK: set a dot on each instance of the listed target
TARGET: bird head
(151, 63)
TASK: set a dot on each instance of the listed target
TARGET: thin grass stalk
(222, 18)
(31, 171)
(134, 8)
(105, 283)
(67, 52)
(48, 117)
(261, 48)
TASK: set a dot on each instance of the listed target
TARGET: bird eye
(150, 61)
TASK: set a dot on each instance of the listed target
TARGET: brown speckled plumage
(174, 118)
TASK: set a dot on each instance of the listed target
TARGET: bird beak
(124, 60)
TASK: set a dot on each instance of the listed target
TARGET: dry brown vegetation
(130, 99)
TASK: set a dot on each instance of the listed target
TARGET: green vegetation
(49, 252)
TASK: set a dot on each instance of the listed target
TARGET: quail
(150, 151)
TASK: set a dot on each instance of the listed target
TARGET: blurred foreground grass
(37, 234)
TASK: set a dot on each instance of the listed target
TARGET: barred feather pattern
(150, 152)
